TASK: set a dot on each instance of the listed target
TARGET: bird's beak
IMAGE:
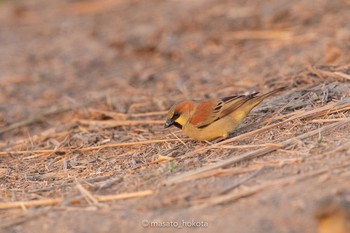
(168, 123)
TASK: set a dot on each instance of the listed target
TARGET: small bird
(213, 118)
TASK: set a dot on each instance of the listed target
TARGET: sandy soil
(85, 85)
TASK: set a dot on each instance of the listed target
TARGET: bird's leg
(242, 130)
(208, 142)
(237, 132)
(233, 134)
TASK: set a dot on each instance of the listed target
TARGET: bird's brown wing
(211, 110)
(232, 103)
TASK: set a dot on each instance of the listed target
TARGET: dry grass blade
(343, 75)
(92, 7)
(48, 202)
(146, 114)
(20, 204)
(112, 145)
(325, 73)
(260, 35)
(122, 196)
(108, 183)
(322, 121)
(247, 146)
(88, 196)
(119, 116)
(253, 154)
(113, 123)
(221, 172)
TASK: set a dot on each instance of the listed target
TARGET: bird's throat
(181, 120)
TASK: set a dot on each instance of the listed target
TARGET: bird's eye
(176, 115)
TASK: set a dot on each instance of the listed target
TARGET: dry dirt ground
(85, 85)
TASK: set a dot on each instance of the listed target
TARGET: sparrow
(333, 216)
(213, 119)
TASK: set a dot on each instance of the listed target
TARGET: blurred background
(56, 51)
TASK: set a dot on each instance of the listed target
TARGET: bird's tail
(256, 100)
(264, 96)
